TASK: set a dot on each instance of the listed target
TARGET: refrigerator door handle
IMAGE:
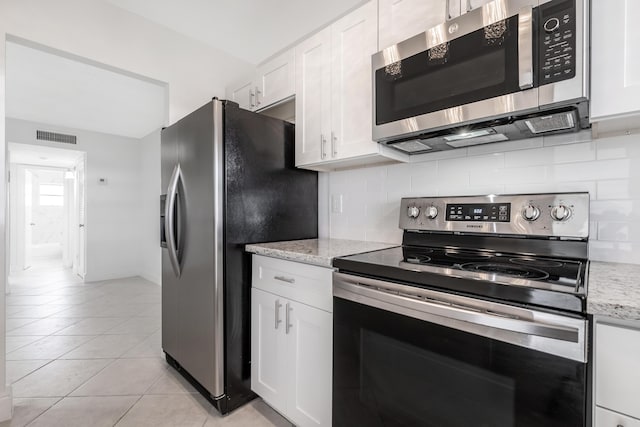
(169, 219)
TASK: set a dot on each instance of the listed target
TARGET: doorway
(47, 223)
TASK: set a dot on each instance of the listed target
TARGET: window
(51, 195)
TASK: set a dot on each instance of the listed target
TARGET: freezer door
(171, 322)
(201, 280)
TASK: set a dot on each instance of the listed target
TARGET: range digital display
(483, 212)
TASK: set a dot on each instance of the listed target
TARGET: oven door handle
(525, 47)
(550, 333)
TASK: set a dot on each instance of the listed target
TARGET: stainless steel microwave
(511, 69)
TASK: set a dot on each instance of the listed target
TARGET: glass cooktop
(550, 282)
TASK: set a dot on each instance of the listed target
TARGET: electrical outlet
(336, 203)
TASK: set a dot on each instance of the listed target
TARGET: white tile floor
(88, 354)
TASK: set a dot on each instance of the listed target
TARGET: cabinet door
(313, 92)
(469, 5)
(615, 63)
(268, 348)
(606, 418)
(401, 19)
(617, 358)
(243, 93)
(276, 80)
(353, 42)
(310, 367)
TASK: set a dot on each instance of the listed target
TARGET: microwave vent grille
(413, 146)
(552, 122)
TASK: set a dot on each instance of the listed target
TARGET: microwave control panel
(557, 34)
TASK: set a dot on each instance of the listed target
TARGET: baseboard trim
(6, 404)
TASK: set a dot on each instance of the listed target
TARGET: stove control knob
(432, 212)
(530, 213)
(413, 212)
(561, 213)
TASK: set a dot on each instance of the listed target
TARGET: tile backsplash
(608, 168)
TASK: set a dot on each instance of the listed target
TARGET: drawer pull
(285, 279)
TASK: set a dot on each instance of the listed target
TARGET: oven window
(477, 66)
(392, 370)
(485, 395)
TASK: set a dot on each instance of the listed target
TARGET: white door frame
(79, 224)
(17, 215)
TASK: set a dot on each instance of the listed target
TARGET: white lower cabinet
(617, 374)
(291, 343)
(606, 418)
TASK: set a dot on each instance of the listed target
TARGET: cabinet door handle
(469, 6)
(323, 143)
(285, 279)
(277, 316)
(251, 95)
(258, 93)
(334, 143)
(288, 325)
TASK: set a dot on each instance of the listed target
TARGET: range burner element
(507, 270)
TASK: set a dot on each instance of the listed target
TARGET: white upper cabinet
(468, 5)
(334, 95)
(313, 98)
(242, 93)
(615, 62)
(353, 41)
(274, 81)
(401, 19)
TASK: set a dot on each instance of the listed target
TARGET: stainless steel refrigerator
(230, 179)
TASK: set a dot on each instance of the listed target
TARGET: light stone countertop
(315, 251)
(614, 290)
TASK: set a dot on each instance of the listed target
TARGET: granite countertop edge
(614, 290)
(320, 252)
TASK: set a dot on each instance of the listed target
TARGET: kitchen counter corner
(614, 290)
(319, 252)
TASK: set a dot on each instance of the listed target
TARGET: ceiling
(43, 156)
(45, 87)
(251, 30)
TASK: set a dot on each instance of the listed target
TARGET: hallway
(89, 354)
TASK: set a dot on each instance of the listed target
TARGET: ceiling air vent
(55, 137)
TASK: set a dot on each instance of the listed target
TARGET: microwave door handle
(525, 47)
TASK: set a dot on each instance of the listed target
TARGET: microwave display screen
(482, 212)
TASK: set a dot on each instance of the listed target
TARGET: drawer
(308, 284)
(617, 365)
(606, 418)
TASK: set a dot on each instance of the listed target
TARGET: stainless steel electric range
(478, 319)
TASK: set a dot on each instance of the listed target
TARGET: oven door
(478, 66)
(406, 356)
